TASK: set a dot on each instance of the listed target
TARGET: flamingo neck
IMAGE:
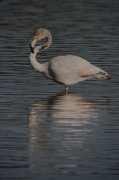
(43, 68)
(37, 66)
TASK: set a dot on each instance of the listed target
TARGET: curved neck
(40, 34)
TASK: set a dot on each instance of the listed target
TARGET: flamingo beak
(33, 41)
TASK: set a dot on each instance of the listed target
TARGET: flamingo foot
(66, 89)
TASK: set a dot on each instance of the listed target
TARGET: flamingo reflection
(59, 124)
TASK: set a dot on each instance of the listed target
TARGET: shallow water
(44, 133)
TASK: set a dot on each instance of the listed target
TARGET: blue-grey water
(46, 134)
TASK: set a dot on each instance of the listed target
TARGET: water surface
(44, 133)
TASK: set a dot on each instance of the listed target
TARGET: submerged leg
(66, 89)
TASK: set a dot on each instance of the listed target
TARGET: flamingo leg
(66, 89)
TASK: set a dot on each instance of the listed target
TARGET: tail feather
(103, 75)
(107, 76)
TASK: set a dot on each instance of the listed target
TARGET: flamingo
(66, 70)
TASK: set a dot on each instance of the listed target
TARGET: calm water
(45, 134)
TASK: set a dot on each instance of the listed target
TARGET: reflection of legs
(66, 89)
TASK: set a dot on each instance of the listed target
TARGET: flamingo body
(66, 70)
(69, 69)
